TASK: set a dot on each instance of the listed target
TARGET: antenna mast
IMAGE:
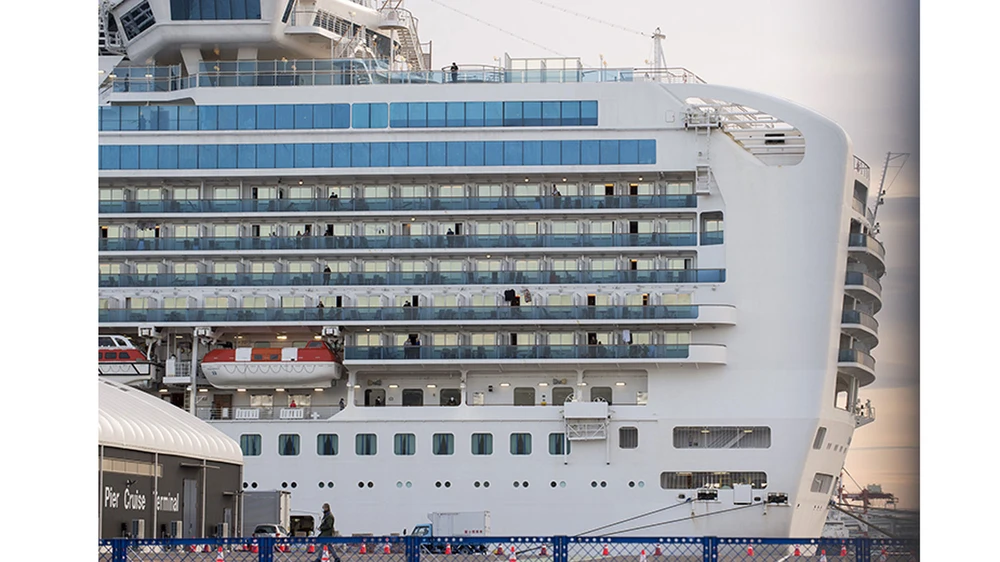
(659, 60)
(882, 187)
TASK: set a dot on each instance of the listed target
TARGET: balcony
(858, 364)
(403, 278)
(400, 204)
(860, 326)
(427, 316)
(869, 251)
(865, 288)
(350, 244)
(534, 354)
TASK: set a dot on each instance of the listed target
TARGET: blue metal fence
(509, 549)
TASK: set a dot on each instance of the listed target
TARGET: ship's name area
(128, 499)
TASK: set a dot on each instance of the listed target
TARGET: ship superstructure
(568, 296)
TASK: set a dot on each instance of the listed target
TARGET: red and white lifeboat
(315, 365)
(119, 360)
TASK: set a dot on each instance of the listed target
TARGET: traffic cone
(843, 550)
(513, 554)
(545, 551)
(447, 548)
(282, 547)
(605, 552)
(882, 557)
(797, 552)
(499, 551)
(642, 555)
(326, 554)
(253, 547)
(206, 549)
(658, 551)
(364, 549)
(218, 557)
(822, 556)
(750, 550)
(311, 549)
(386, 550)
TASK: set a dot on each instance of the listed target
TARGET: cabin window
(250, 444)
(558, 444)
(451, 396)
(327, 444)
(714, 479)
(821, 483)
(404, 444)
(601, 394)
(524, 396)
(520, 443)
(628, 437)
(482, 443)
(413, 397)
(722, 437)
(288, 445)
(110, 355)
(820, 436)
(443, 444)
(104, 341)
(365, 444)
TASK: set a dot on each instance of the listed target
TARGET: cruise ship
(591, 301)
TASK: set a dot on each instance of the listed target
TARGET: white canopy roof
(133, 419)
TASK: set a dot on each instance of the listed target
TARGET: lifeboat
(120, 360)
(315, 365)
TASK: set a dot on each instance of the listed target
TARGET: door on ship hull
(374, 397)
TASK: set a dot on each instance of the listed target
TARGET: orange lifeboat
(120, 360)
(315, 365)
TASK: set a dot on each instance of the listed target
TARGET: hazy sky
(854, 61)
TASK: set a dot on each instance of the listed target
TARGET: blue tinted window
(129, 157)
(182, 10)
(456, 154)
(247, 117)
(246, 156)
(284, 156)
(187, 118)
(227, 118)
(475, 153)
(436, 154)
(168, 118)
(208, 118)
(513, 114)
(551, 114)
(265, 116)
(399, 115)
(342, 116)
(417, 153)
(167, 157)
(208, 156)
(532, 114)
(187, 157)
(360, 116)
(147, 118)
(110, 118)
(455, 114)
(303, 156)
(322, 114)
(609, 152)
(570, 113)
(342, 155)
(512, 153)
(493, 153)
(110, 157)
(588, 113)
(148, 155)
(207, 9)
(647, 152)
(418, 114)
(222, 10)
(284, 117)
(494, 114)
(130, 118)
(590, 152)
(570, 153)
(379, 115)
(227, 156)
(303, 116)
(474, 116)
(265, 155)
(551, 152)
(532, 153)
(360, 155)
(322, 155)
(238, 8)
(628, 152)
(398, 154)
(436, 114)
(379, 154)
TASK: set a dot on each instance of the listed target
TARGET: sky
(856, 61)
(853, 61)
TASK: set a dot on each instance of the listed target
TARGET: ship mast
(659, 60)
(890, 158)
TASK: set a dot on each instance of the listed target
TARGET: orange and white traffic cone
(545, 551)
(364, 549)
(658, 551)
(386, 549)
(605, 551)
(206, 549)
(447, 548)
(750, 550)
(219, 557)
(797, 551)
(311, 549)
(822, 556)
(326, 554)
(513, 554)
(642, 555)
(254, 548)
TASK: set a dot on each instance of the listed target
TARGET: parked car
(270, 530)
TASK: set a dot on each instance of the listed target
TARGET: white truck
(453, 524)
(266, 508)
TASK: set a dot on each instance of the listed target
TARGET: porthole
(245, 485)
(409, 484)
(284, 484)
(476, 484)
(329, 484)
(517, 484)
(399, 484)
(562, 483)
(447, 484)
(486, 484)
(604, 484)
(253, 485)
(553, 483)
(437, 484)
(593, 483)
(631, 484)
(361, 484)
(524, 484)
(371, 484)
(295, 484)
(642, 484)
(321, 484)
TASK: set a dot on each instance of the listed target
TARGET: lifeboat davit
(315, 365)
(120, 360)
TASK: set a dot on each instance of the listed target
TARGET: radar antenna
(892, 160)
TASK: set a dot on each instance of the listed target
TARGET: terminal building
(163, 472)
